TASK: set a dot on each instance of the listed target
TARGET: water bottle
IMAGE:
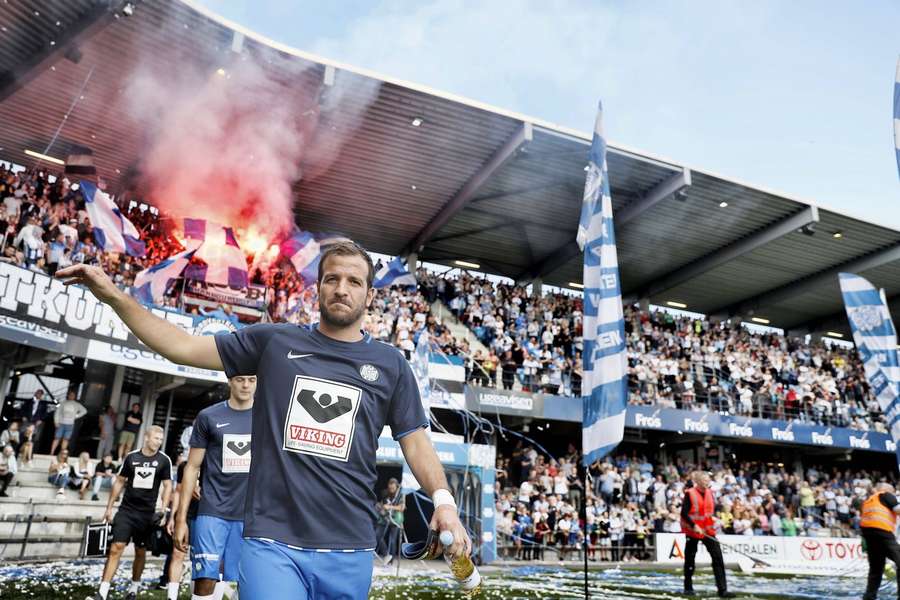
(467, 576)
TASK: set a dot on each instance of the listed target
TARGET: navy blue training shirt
(225, 435)
(319, 409)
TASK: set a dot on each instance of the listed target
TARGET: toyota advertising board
(783, 555)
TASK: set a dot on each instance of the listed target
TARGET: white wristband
(442, 497)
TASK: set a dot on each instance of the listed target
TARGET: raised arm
(163, 337)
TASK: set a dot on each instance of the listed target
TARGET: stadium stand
(674, 361)
(630, 497)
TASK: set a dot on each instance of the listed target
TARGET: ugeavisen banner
(834, 557)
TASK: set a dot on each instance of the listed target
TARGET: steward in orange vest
(877, 522)
(698, 525)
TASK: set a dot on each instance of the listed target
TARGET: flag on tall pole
(394, 273)
(876, 341)
(604, 383)
(113, 232)
(151, 284)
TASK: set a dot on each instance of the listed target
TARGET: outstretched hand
(93, 278)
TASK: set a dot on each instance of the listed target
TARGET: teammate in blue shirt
(220, 445)
(323, 397)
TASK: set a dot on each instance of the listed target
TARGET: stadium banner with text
(562, 408)
(253, 296)
(39, 311)
(783, 555)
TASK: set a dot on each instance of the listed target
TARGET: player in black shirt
(141, 475)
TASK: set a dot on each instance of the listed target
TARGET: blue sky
(791, 96)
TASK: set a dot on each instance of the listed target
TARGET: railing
(28, 538)
(512, 547)
(725, 400)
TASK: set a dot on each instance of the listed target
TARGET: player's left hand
(446, 519)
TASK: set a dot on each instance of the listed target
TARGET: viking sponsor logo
(308, 434)
(143, 478)
(700, 426)
(859, 442)
(236, 453)
(782, 435)
(822, 439)
(324, 408)
(890, 446)
(647, 421)
(321, 418)
(740, 430)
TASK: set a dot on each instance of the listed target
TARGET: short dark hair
(348, 248)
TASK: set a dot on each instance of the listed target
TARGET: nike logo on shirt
(220, 425)
(292, 355)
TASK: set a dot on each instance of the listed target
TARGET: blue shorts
(64, 432)
(274, 571)
(215, 542)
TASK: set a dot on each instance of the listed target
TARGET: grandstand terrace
(448, 182)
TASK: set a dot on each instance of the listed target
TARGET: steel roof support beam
(520, 138)
(553, 261)
(662, 190)
(101, 15)
(675, 183)
(728, 253)
(786, 292)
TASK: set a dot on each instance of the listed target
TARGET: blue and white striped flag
(112, 231)
(604, 383)
(394, 273)
(420, 366)
(304, 252)
(224, 263)
(897, 115)
(151, 284)
(876, 341)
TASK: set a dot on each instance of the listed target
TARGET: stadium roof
(469, 182)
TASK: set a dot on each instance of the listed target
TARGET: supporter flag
(218, 248)
(897, 115)
(394, 273)
(604, 384)
(151, 284)
(304, 252)
(876, 341)
(112, 231)
(328, 238)
(420, 362)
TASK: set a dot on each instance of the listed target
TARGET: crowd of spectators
(686, 362)
(629, 498)
(530, 343)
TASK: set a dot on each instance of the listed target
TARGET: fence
(27, 537)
